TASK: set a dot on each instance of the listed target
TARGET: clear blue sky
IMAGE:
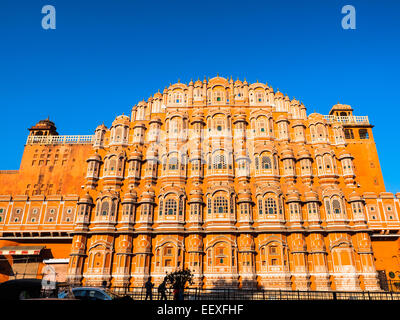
(105, 56)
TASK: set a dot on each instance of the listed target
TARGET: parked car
(21, 289)
(88, 293)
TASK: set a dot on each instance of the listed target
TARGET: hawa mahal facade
(228, 179)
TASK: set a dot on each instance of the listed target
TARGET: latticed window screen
(244, 208)
(194, 208)
(160, 212)
(260, 206)
(220, 205)
(312, 207)
(348, 134)
(266, 162)
(363, 133)
(113, 208)
(173, 164)
(145, 208)
(219, 161)
(256, 162)
(336, 206)
(327, 207)
(104, 208)
(181, 206)
(170, 207)
(270, 206)
(232, 203)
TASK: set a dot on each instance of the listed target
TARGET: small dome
(135, 154)
(148, 194)
(130, 197)
(94, 157)
(354, 196)
(295, 102)
(155, 120)
(310, 195)
(282, 118)
(293, 195)
(279, 94)
(303, 154)
(297, 123)
(101, 127)
(196, 190)
(86, 198)
(158, 95)
(287, 153)
(344, 154)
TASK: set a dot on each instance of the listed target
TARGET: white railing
(88, 139)
(347, 119)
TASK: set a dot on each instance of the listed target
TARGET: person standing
(149, 289)
(161, 290)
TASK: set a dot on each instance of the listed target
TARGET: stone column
(301, 277)
(319, 264)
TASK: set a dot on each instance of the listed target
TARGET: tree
(178, 280)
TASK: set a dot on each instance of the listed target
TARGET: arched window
(320, 132)
(170, 207)
(259, 97)
(219, 161)
(118, 134)
(112, 165)
(160, 212)
(270, 206)
(336, 206)
(218, 96)
(177, 97)
(173, 163)
(328, 163)
(220, 205)
(327, 207)
(220, 255)
(266, 163)
(105, 208)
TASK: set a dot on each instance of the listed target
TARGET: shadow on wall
(6, 270)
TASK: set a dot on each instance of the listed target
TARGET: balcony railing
(347, 119)
(87, 139)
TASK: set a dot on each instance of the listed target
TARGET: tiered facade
(231, 180)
